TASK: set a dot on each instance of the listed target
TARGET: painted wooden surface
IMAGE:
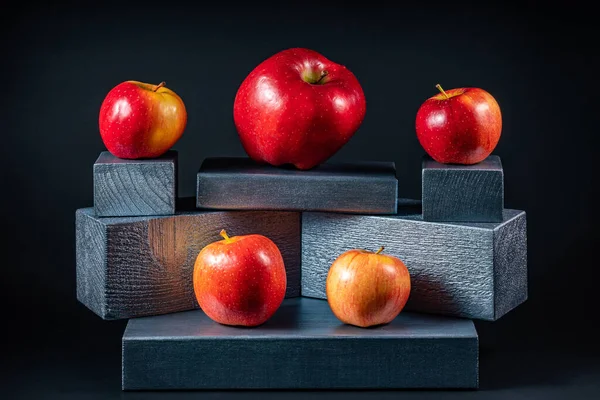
(135, 187)
(134, 266)
(239, 183)
(463, 193)
(303, 346)
(472, 270)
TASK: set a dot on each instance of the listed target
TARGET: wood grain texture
(472, 270)
(463, 193)
(303, 346)
(510, 250)
(135, 266)
(240, 184)
(90, 247)
(135, 187)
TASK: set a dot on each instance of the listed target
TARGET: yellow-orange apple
(366, 288)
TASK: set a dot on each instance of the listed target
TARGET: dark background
(58, 63)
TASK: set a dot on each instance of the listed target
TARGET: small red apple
(297, 107)
(459, 126)
(240, 280)
(140, 120)
(367, 288)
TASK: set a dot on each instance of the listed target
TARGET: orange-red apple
(366, 288)
(141, 120)
(240, 280)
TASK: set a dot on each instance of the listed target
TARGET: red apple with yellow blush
(141, 120)
(240, 280)
(366, 288)
(459, 126)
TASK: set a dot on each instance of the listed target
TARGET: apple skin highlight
(299, 108)
(139, 120)
(459, 126)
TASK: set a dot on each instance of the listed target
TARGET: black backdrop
(60, 61)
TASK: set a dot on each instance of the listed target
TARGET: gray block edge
(504, 304)
(84, 291)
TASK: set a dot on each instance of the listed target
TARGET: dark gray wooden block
(135, 187)
(303, 346)
(135, 266)
(240, 184)
(472, 270)
(463, 193)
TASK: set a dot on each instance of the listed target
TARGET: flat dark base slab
(241, 184)
(303, 346)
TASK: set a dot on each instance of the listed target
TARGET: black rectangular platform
(240, 184)
(303, 346)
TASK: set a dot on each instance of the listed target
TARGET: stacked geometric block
(466, 254)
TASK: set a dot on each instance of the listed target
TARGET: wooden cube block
(241, 184)
(303, 346)
(134, 266)
(135, 187)
(463, 193)
(472, 270)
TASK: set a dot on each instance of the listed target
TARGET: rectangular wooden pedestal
(463, 193)
(241, 184)
(134, 266)
(471, 270)
(135, 187)
(303, 346)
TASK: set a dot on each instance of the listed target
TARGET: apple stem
(225, 236)
(380, 250)
(439, 87)
(163, 83)
(323, 75)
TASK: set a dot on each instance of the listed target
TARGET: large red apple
(297, 107)
(459, 126)
(367, 288)
(140, 120)
(240, 280)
